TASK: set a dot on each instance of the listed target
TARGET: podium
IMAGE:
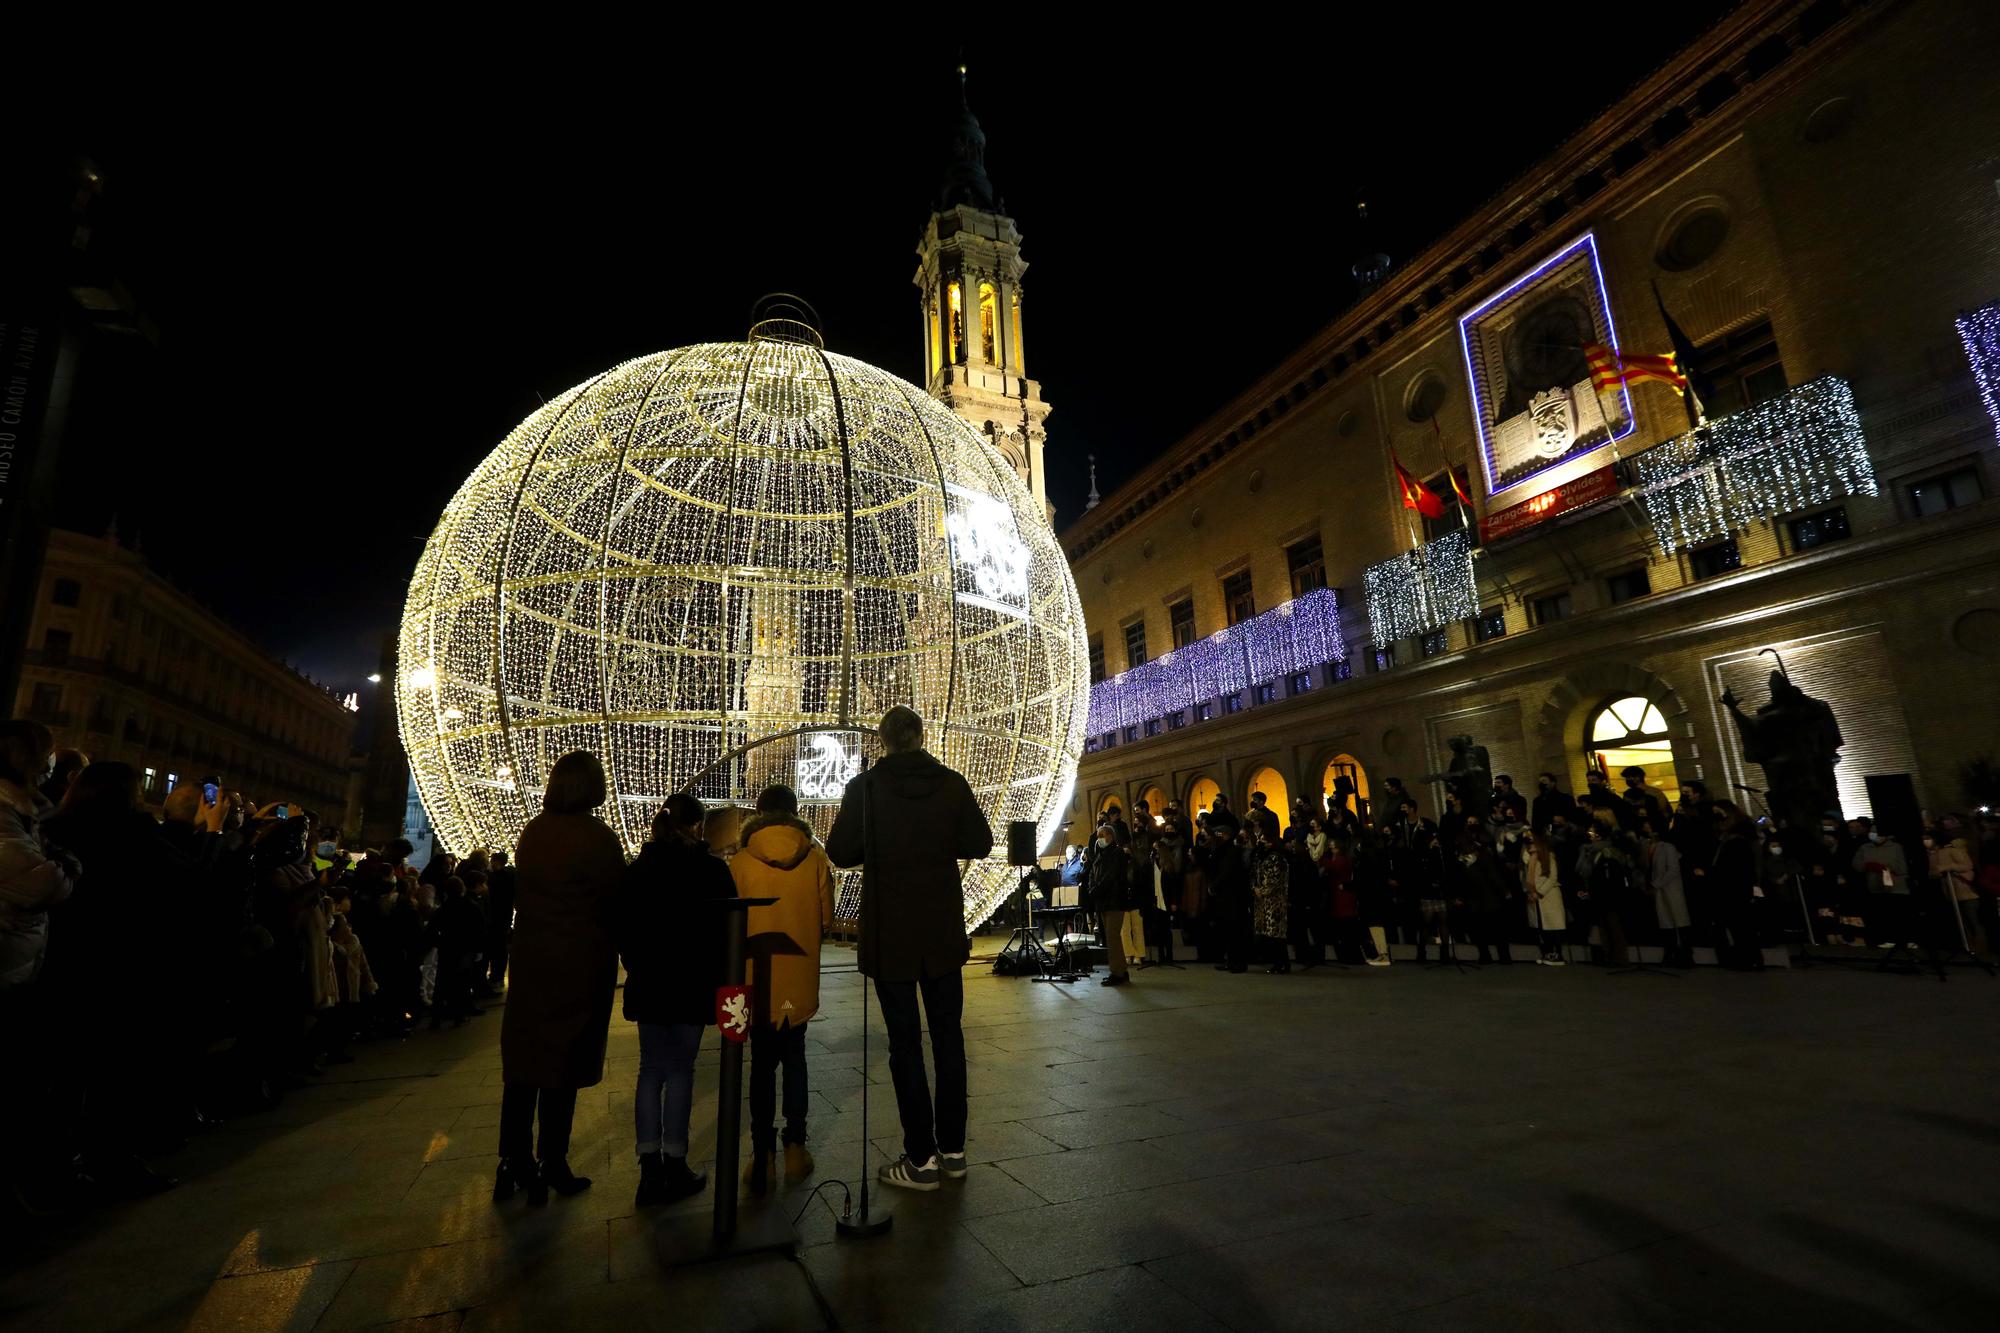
(682, 1239)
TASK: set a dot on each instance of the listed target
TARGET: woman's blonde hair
(576, 785)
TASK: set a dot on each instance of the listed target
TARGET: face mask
(1776, 850)
(1103, 842)
(1874, 837)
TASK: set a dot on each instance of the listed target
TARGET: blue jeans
(666, 1086)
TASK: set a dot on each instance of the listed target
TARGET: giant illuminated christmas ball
(715, 568)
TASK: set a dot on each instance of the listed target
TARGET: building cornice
(1696, 99)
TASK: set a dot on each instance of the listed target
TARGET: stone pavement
(1509, 1148)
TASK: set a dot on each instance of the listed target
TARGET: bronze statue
(1469, 776)
(1796, 740)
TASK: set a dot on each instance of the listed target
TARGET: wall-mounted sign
(1585, 490)
(1524, 355)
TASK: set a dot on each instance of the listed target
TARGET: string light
(716, 568)
(1284, 641)
(1422, 590)
(1979, 330)
(1798, 451)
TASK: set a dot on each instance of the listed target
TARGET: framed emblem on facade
(1530, 381)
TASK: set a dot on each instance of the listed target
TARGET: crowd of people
(1547, 877)
(230, 951)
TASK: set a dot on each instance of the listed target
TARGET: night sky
(367, 262)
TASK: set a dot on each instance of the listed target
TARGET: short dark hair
(778, 799)
(682, 812)
(902, 730)
(1504, 778)
(1550, 776)
(1628, 772)
(397, 849)
(576, 785)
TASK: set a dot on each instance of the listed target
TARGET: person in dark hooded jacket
(673, 946)
(913, 821)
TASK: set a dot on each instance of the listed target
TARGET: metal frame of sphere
(715, 568)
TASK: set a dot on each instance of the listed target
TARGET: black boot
(512, 1175)
(652, 1181)
(557, 1176)
(679, 1182)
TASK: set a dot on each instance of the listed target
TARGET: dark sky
(365, 266)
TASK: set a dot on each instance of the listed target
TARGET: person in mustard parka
(779, 858)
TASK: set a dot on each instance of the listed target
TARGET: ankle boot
(652, 1181)
(557, 1176)
(513, 1175)
(798, 1163)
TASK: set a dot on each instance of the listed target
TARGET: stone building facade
(1811, 195)
(123, 665)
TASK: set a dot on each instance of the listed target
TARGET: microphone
(1742, 787)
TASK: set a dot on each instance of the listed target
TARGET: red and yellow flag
(1416, 495)
(1610, 368)
(1458, 487)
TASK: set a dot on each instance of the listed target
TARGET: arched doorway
(1346, 766)
(1108, 803)
(1156, 800)
(1201, 796)
(1276, 794)
(1633, 732)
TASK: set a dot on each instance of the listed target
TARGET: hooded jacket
(913, 821)
(780, 859)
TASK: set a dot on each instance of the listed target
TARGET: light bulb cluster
(716, 568)
(1284, 641)
(1797, 451)
(1422, 590)
(1979, 330)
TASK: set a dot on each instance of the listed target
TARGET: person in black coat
(1550, 801)
(672, 943)
(1111, 897)
(108, 975)
(499, 920)
(911, 821)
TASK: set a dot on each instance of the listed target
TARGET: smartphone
(209, 791)
(282, 812)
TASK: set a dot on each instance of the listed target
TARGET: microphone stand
(870, 1219)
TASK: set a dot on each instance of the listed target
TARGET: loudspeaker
(1893, 798)
(1021, 840)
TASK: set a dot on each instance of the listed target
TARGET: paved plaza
(1509, 1148)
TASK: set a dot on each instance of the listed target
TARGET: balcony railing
(1280, 643)
(1422, 590)
(1799, 450)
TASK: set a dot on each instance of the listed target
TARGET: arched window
(1156, 802)
(1346, 766)
(954, 301)
(1633, 733)
(1016, 361)
(989, 324)
(1276, 794)
(1201, 795)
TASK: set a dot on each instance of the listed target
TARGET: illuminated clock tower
(969, 278)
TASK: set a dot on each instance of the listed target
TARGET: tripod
(1024, 948)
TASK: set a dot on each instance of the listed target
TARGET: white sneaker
(952, 1165)
(1377, 961)
(907, 1175)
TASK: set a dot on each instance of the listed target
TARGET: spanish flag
(1458, 487)
(1416, 495)
(1610, 368)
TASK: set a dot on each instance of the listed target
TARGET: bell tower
(969, 283)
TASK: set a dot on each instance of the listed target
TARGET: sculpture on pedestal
(1796, 740)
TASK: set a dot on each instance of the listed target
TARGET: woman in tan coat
(564, 970)
(780, 859)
